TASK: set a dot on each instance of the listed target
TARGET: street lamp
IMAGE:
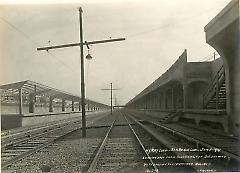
(89, 56)
(81, 44)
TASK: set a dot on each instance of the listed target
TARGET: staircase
(215, 96)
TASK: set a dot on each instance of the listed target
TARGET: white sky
(156, 31)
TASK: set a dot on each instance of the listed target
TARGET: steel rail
(35, 149)
(165, 143)
(9, 133)
(190, 138)
(193, 139)
(141, 144)
(209, 131)
(31, 133)
(21, 156)
(42, 131)
(37, 127)
(43, 145)
(93, 164)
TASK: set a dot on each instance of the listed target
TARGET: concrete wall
(10, 121)
(33, 120)
(174, 73)
(14, 109)
(198, 70)
(10, 117)
(195, 93)
(222, 33)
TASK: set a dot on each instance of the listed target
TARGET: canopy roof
(31, 87)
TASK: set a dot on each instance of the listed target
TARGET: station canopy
(36, 89)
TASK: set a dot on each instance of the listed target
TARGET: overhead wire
(210, 57)
(34, 42)
(186, 19)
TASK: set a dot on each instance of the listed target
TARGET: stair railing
(214, 87)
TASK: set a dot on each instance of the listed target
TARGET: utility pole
(111, 94)
(82, 63)
(116, 103)
(82, 75)
(111, 97)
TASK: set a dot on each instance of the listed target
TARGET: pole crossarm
(78, 44)
(110, 89)
(81, 44)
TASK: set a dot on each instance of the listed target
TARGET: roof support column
(154, 101)
(185, 101)
(173, 101)
(87, 106)
(73, 106)
(160, 100)
(50, 104)
(144, 103)
(222, 33)
(147, 102)
(20, 101)
(63, 105)
(165, 99)
(31, 103)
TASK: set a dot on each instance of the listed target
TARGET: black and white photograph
(120, 86)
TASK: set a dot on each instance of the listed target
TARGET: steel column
(72, 105)
(63, 105)
(50, 104)
(20, 100)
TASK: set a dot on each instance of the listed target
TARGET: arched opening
(174, 95)
(195, 92)
(178, 95)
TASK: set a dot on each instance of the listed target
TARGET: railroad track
(226, 147)
(115, 154)
(33, 132)
(25, 133)
(16, 150)
(17, 131)
(229, 145)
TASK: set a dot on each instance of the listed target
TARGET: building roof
(31, 87)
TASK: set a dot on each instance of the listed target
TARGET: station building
(201, 91)
(28, 102)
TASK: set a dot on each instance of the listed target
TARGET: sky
(156, 32)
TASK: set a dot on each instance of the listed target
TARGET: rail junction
(187, 120)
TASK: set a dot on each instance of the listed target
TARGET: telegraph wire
(34, 42)
(21, 32)
(186, 19)
(210, 57)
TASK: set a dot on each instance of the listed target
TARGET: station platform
(11, 121)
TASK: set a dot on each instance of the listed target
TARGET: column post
(72, 105)
(20, 100)
(51, 104)
(173, 105)
(31, 103)
(185, 101)
(63, 105)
